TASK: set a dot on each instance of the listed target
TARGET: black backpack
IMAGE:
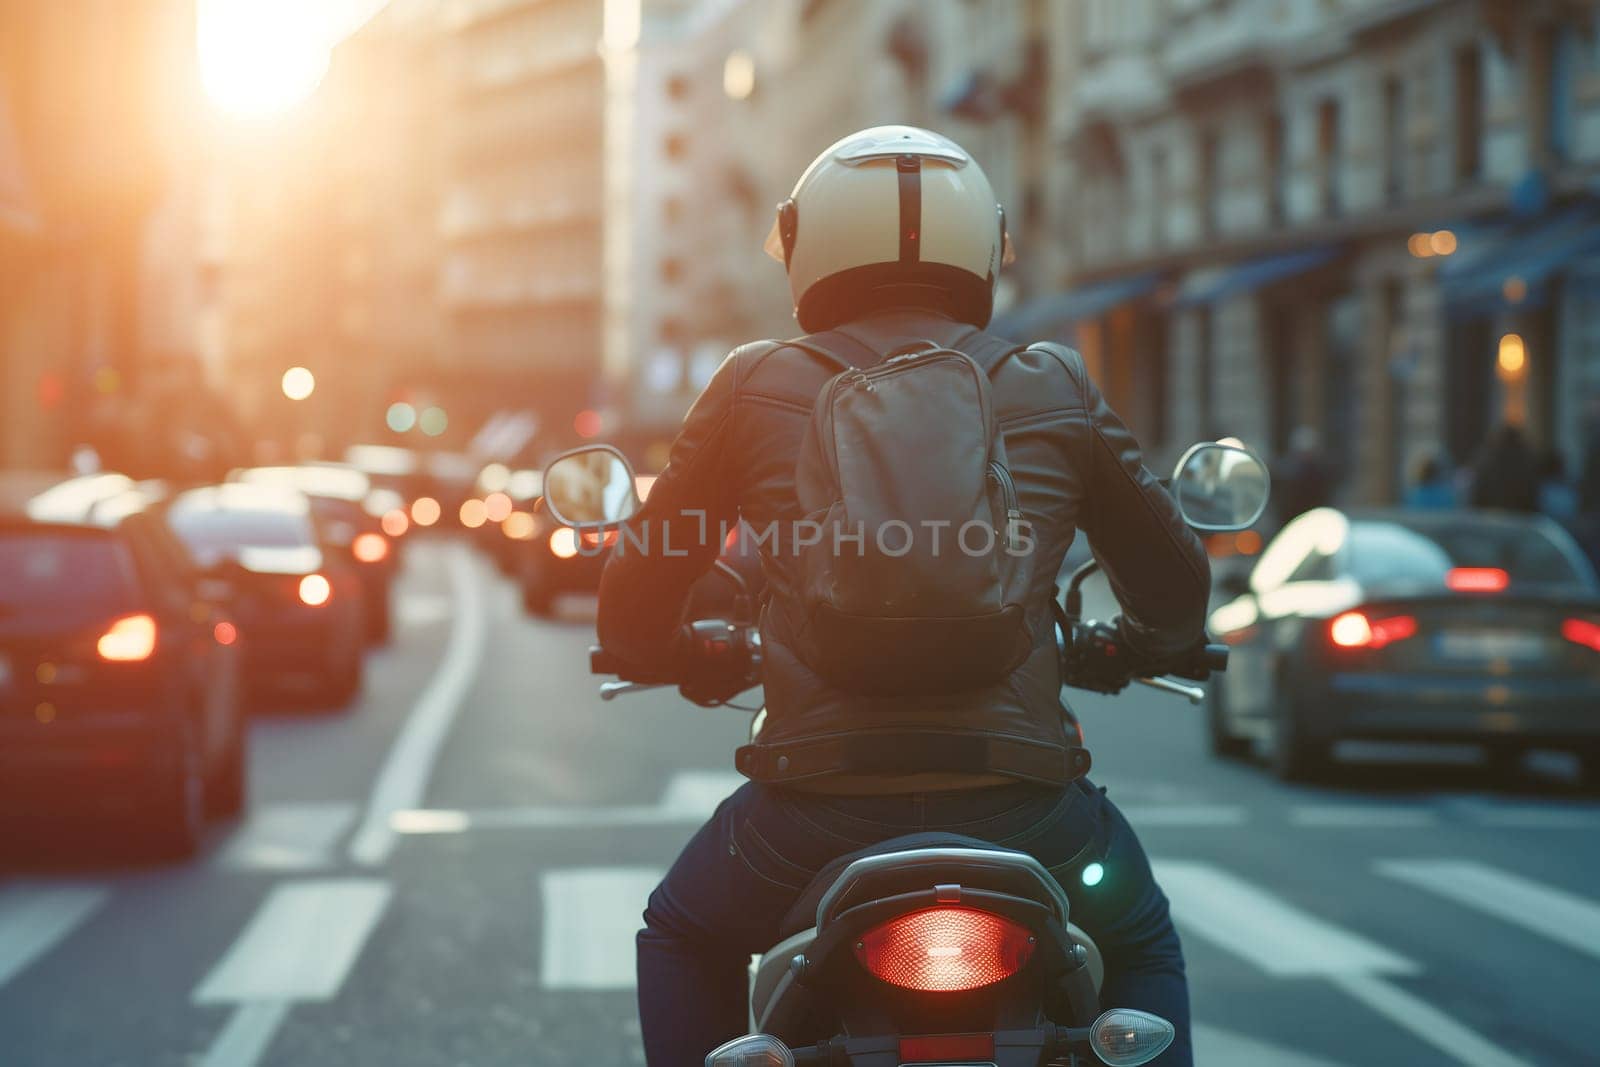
(918, 564)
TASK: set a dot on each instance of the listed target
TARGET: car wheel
(1589, 769)
(228, 788)
(1224, 743)
(173, 815)
(345, 678)
(536, 596)
(377, 619)
(1293, 757)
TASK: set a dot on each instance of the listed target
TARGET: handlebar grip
(603, 662)
(1216, 657)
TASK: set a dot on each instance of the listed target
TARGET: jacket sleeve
(1157, 567)
(674, 539)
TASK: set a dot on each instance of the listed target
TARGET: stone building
(1342, 215)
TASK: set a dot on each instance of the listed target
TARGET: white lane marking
(591, 915)
(36, 918)
(697, 793)
(300, 944)
(287, 837)
(243, 1040)
(1563, 917)
(404, 778)
(1183, 815)
(689, 799)
(1266, 930)
(1537, 818)
(1361, 817)
(421, 609)
(1212, 1044)
(1409, 1012)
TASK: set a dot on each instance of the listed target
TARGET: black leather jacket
(1075, 466)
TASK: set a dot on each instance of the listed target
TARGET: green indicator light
(1093, 874)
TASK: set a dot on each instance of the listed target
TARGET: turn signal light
(1355, 630)
(1477, 580)
(1582, 632)
(130, 639)
(945, 949)
(315, 590)
(369, 547)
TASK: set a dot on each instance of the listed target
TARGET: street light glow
(298, 383)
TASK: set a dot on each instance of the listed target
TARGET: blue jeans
(726, 895)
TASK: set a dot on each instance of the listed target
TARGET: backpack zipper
(1008, 491)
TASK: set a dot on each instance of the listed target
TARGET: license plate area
(1511, 646)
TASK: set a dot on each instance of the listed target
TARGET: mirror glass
(591, 487)
(1220, 487)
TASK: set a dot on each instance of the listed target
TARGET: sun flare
(262, 57)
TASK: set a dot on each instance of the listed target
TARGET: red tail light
(369, 547)
(945, 949)
(1355, 629)
(1582, 632)
(1477, 580)
(315, 590)
(128, 640)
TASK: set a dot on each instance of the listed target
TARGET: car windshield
(211, 533)
(40, 570)
(1391, 551)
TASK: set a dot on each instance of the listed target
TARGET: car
(119, 674)
(351, 514)
(298, 601)
(1411, 626)
(509, 498)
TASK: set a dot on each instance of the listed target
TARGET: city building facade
(1370, 218)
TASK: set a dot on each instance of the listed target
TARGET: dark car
(298, 604)
(119, 692)
(349, 514)
(509, 498)
(557, 559)
(1411, 626)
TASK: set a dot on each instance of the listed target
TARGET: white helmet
(890, 206)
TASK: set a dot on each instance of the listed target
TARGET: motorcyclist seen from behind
(893, 241)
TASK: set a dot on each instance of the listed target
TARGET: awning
(1514, 272)
(1048, 314)
(1209, 285)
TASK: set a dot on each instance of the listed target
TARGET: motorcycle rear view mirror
(591, 488)
(1221, 487)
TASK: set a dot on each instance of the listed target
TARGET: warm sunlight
(262, 57)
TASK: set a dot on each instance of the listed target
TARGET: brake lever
(612, 690)
(1194, 693)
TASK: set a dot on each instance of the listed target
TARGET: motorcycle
(939, 949)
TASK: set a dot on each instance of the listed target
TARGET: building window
(675, 145)
(1273, 148)
(1211, 190)
(1553, 60)
(1329, 153)
(1469, 113)
(1394, 138)
(1160, 196)
(677, 86)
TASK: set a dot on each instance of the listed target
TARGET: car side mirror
(591, 488)
(1220, 488)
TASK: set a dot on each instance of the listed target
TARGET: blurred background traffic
(297, 298)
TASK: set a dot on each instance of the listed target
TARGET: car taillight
(1355, 629)
(315, 590)
(945, 949)
(564, 543)
(1582, 632)
(395, 522)
(1477, 580)
(128, 640)
(369, 547)
(596, 538)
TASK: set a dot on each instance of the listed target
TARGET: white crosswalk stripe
(591, 915)
(36, 918)
(1562, 917)
(1266, 930)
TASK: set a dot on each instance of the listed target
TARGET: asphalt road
(450, 873)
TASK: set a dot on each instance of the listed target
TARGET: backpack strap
(824, 347)
(990, 352)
